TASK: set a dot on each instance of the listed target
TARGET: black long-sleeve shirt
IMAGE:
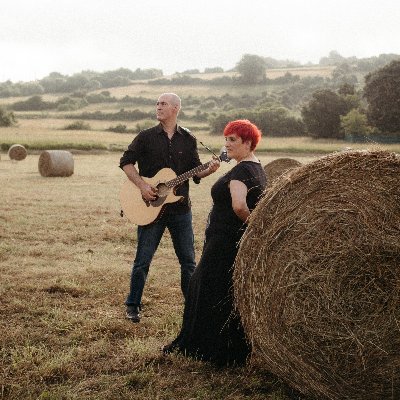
(152, 150)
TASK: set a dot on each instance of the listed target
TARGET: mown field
(65, 256)
(65, 261)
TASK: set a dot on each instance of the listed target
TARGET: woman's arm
(238, 194)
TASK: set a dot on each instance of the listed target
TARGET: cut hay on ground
(317, 277)
(277, 167)
(56, 163)
(17, 152)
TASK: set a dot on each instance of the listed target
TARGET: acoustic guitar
(143, 212)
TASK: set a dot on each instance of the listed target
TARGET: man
(166, 145)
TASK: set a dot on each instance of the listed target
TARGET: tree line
(335, 114)
(251, 69)
(330, 112)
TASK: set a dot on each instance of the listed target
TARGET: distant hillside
(272, 73)
(89, 81)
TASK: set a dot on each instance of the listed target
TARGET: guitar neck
(187, 175)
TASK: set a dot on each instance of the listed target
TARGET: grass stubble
(65, 261)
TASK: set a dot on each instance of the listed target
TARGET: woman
(211, 331)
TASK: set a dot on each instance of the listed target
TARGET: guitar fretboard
(182, 178)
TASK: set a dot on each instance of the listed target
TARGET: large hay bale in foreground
(17, 152)
(56, 163)
(278, 167)
(317, 277)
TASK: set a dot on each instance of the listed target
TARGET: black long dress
(211, 331)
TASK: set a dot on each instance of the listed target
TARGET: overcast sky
(41, 36)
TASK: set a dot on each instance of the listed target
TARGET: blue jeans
(148, 239)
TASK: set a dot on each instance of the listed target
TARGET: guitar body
(141, 212)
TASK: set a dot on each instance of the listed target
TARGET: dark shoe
(133, 313)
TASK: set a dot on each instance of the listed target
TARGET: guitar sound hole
(162, 193)
(162, 190)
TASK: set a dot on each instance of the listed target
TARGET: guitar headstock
(223, 156)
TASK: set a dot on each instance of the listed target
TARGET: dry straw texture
(17, 152)
(56, 163)
(317, 277)
(277, 167)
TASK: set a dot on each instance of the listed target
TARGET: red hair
(245, 130)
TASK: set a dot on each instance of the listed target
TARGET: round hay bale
(317, 277)
(278, 167)
(56, 163)
(17, 152)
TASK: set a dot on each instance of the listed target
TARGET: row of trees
(273, 120)
(251, 69)
(374, 111)
(328, 114)
(364, 65)
(85, 81)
